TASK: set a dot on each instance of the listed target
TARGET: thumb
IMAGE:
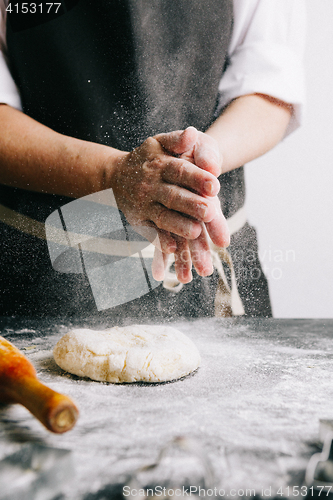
(179, 142)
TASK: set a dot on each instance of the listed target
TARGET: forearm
(249, 127)
(150, 186)
(35, 157)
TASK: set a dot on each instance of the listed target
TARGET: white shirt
(266, 55)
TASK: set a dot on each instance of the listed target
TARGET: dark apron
(115, 73)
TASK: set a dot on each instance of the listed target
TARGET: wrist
(93, 167)
(112, 163)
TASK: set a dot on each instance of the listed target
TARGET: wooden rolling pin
(19, 384)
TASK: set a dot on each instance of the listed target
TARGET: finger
(187, 175)
(200, 254)
(174, 222)
(160, 239)
(184, 201)
(179, 142)
(218, 229)
(206, 154)
(158, 267)
(166, 243)
(183, 262)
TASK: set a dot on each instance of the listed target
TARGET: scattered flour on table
(133, 353)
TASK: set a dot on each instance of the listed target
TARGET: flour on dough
(128, 354)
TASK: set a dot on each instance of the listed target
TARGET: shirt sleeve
(266, 54)
(9, 93)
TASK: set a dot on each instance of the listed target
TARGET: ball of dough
(128, 354)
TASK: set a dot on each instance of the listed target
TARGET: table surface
(254, 404)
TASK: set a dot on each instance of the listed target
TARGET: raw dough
(128, 354)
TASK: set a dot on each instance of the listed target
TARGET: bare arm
(36, 158)
(249, 127)
(151, 186)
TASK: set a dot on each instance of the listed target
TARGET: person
(162, 102)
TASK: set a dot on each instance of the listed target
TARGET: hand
(171, 194)
(194, 146)
(202, 150)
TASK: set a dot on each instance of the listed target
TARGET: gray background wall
(290, 190)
